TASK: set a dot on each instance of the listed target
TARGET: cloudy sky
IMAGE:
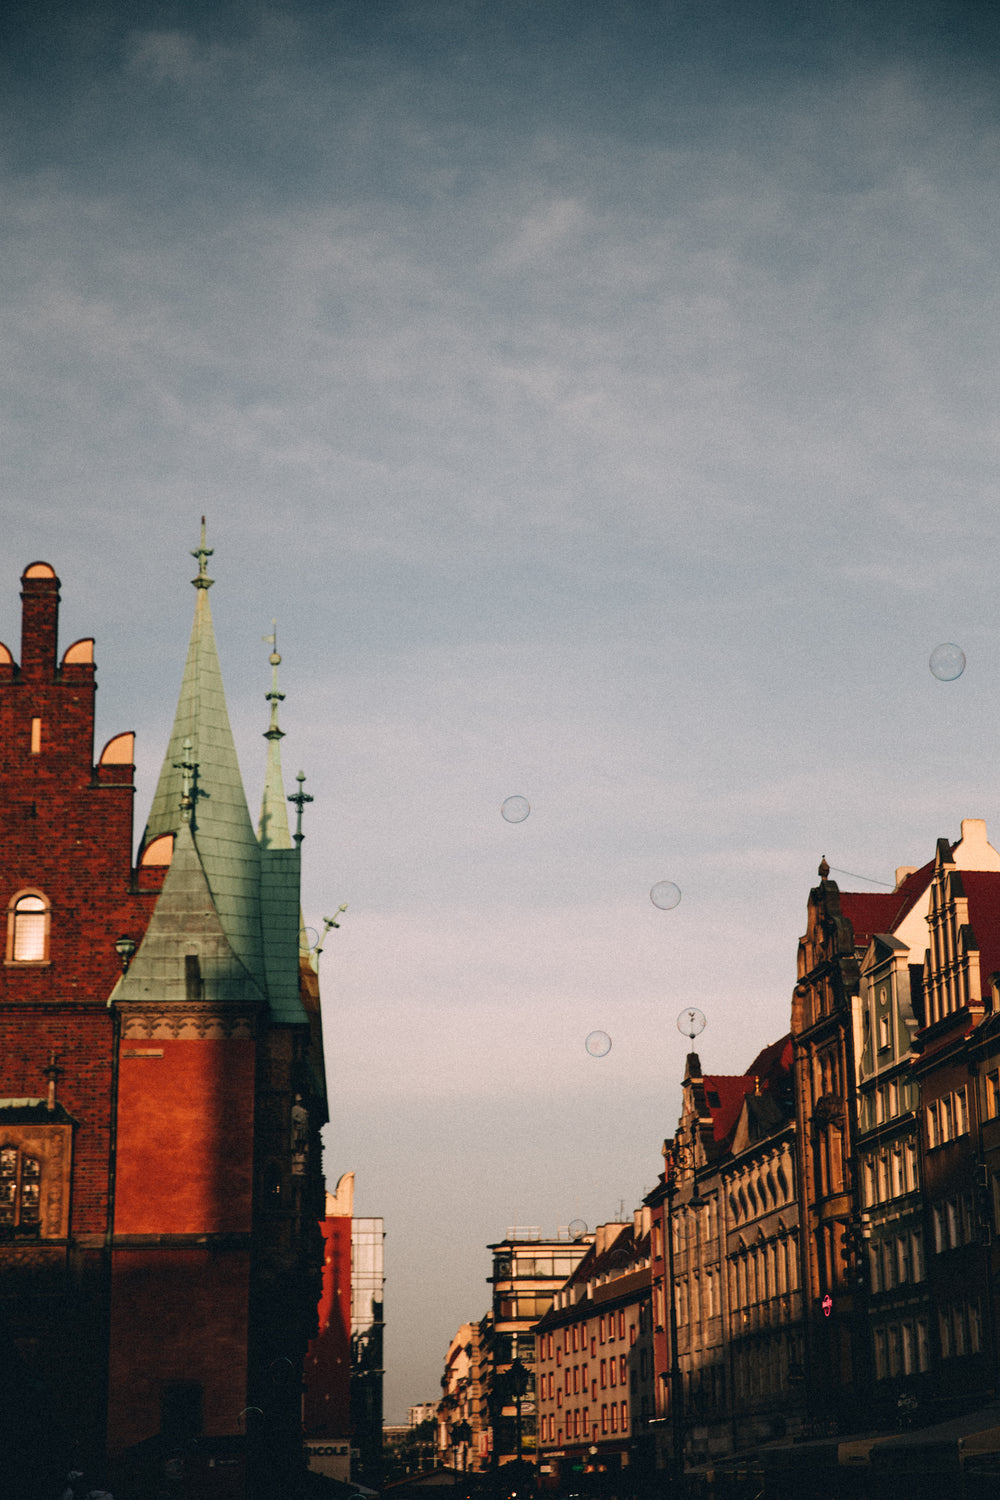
(603, 399)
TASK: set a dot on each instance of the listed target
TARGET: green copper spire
(200, 784)
(186, 924)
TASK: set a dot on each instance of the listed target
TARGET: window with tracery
(20, 1190)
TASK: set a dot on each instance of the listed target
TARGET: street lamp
(679, 1159)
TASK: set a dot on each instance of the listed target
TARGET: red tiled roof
(983, 890)
(880, 911)
(773, 1060)
(729, 1091)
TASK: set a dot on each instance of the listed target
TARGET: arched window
(28, 929)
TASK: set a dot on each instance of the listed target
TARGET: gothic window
(28, 928)
(20, 1190)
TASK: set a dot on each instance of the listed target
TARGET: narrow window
(28, 929)
(36, 736)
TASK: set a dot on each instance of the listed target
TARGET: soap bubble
(516, 809)
(577, 1228)
(665, 894)
(598, 1044)
(947, 662)
(691, 1023)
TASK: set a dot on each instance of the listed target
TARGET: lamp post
(679, 1159)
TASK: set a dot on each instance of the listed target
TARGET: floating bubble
(947, 662)
(665, 894)
(691, 1023)
(515, 809)
(598, 1044)
(577, 1228)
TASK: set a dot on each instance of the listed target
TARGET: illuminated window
(28, 929)
(993, 1094)
(20, 1190)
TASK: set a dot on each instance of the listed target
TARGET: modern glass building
(367, 1361)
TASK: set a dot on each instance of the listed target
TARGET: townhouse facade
(823, 1257)
(594, 1365)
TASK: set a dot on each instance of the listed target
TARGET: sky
(602, 398)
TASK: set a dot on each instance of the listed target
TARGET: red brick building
(326, 1401)
(162, 1084)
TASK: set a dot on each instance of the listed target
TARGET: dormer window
(28, 929)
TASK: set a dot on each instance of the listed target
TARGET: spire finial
(272, 732)
(202, 553)
(189, 781)
(300, 798)
(824, 868)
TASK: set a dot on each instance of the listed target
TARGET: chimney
(39, 620)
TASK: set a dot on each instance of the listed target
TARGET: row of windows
(614, 1418)
(693, 1226)
(947, 1118)
(901, 1348)
(955, 1222)
(604, 1330)
(763, 1272)
(764, 1187)
(888, 1100)
(897, 1260)
(960, 1327)
(890, 1173)
(612, 1372)
(762, 1368)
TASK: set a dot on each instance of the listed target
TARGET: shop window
(28, 929)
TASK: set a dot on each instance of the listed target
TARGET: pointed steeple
(200, 777)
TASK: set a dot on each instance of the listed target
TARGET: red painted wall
(185, 1136)
(327, 1402)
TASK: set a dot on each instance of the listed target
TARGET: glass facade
(367, 1326)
